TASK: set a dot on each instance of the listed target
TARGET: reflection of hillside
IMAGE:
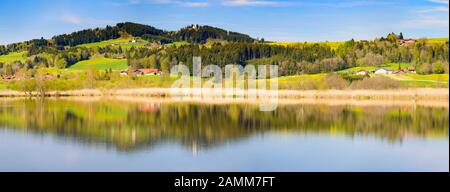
(129, 126)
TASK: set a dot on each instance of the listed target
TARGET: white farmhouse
(383, 71)
(123, 73)
(362, 72)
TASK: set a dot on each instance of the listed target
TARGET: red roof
(149, 71)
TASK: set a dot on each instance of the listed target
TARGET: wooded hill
(191, 34)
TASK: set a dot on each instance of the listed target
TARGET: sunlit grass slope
(100, 64)
(14, 56)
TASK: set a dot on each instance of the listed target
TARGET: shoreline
(399, 94)
(433, 97)
(414, 93)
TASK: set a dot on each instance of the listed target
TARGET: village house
(48, 76)
(406, 41)
(147, 72)
(411, 69)
(137, 72)
(383, 71)
(150, 71)
(123, 73)
(362, 72)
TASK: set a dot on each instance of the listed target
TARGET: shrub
(350, 78)
(438, 67)
(446, 68)
(424, 69)
(334, 81)
(378, 83)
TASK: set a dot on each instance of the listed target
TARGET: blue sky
(276, 20)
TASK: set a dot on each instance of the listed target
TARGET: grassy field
(333, 45)
(125, 43)
(100, 64)
(178, 43)
(303, 82)
(416, 80)
(3, 86)
(14, 56)
(409, 79)
(437, 40)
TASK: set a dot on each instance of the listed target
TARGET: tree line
(304, 58)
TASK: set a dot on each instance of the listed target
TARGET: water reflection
(128, 126)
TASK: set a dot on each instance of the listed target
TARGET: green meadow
(178, 43)
(332, 44)
(416, 80)
(14, 56)
(100, 64)
(125, 43)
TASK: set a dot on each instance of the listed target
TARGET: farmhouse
(362, 72)
(383, 71)
(123, 73)
(148, 72)
(137, 72)
(48, 76)
(406, 41)
(412, 69)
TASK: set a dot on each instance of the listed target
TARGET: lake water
(112, 135)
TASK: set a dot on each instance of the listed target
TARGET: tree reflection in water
(130, 126)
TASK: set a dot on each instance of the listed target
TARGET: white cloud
(434, 9)
(440, 1)
(251, 3)
(70, 18)
(195, 4)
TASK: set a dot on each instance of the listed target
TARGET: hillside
(100, 64)
(124, 42)
(190, 34)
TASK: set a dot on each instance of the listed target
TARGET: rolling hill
(191, 34)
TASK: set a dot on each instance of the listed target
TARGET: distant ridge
(191, 34)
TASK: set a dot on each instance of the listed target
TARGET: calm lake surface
(111, 135)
